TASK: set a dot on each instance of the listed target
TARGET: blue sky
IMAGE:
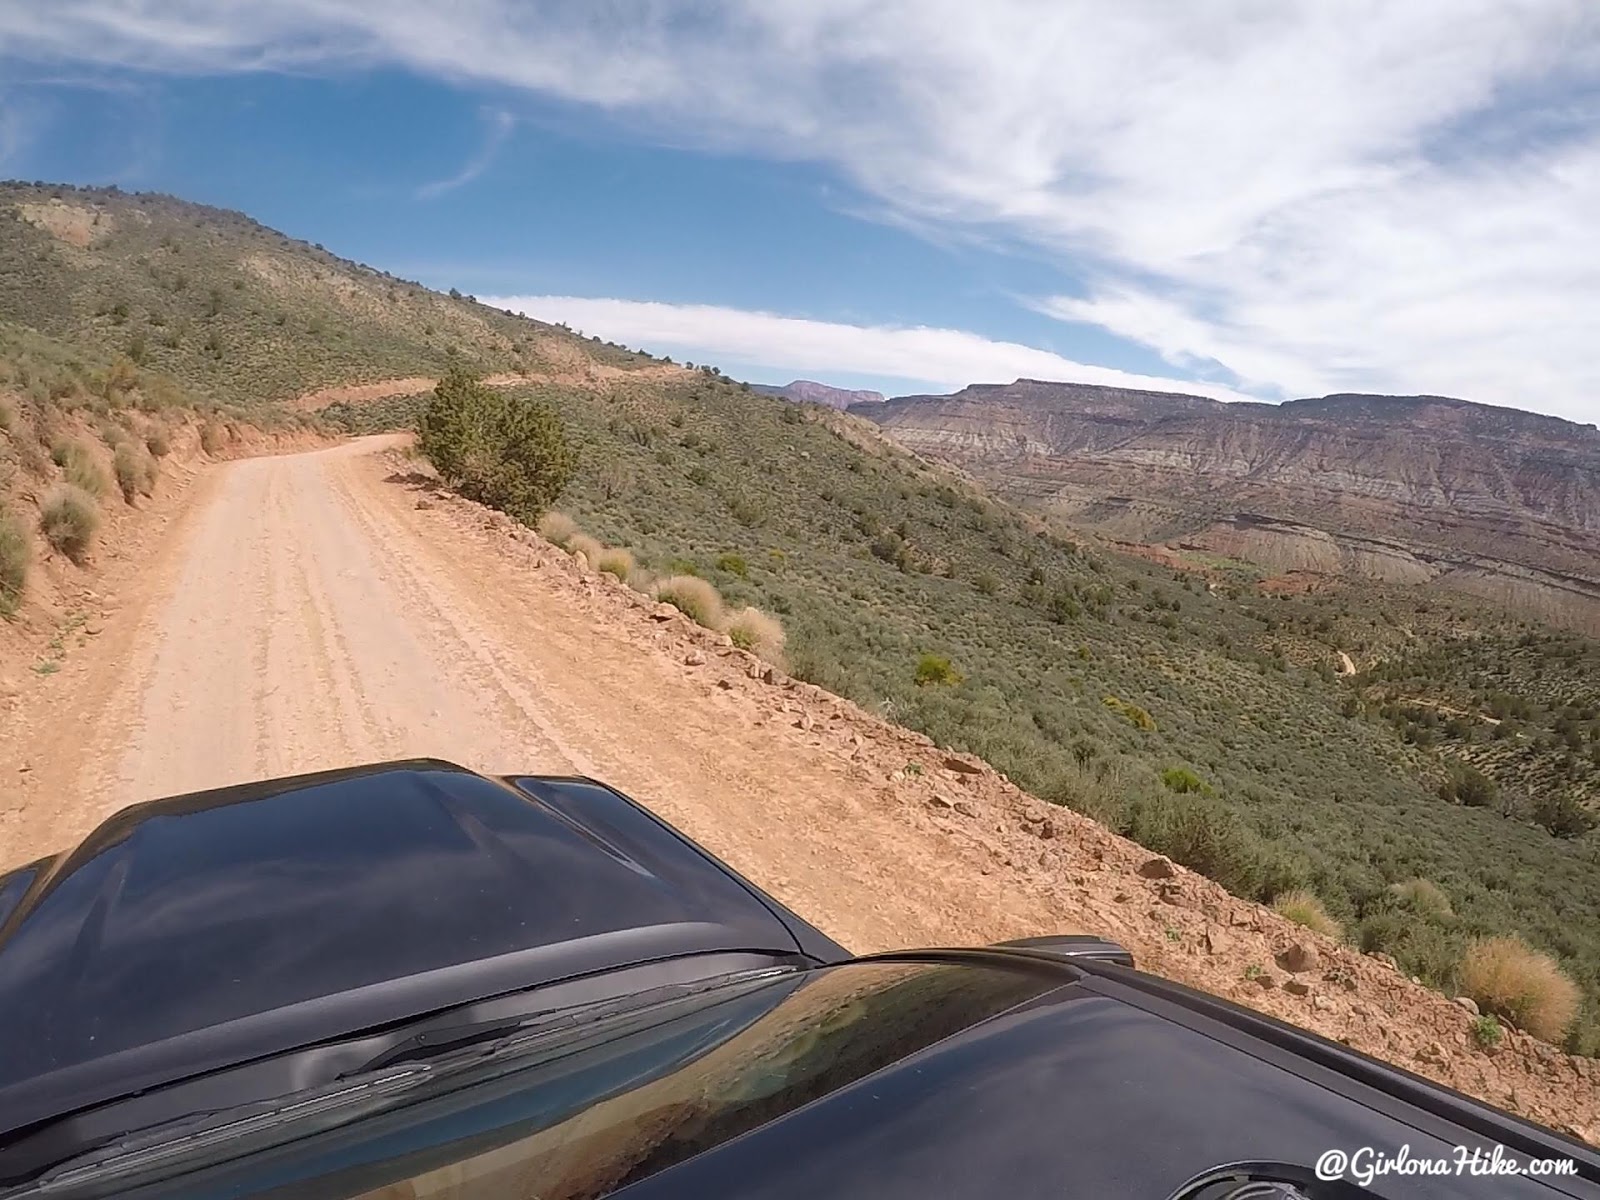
(1267, 200)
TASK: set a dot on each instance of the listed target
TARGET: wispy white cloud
(498, 126)
(943, 359)
(1376, 193)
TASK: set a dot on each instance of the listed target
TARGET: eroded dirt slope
(315, 610)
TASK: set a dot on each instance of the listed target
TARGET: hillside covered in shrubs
(238, 312)
(82, 435)
(1194, 713)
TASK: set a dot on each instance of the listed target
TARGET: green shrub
(694, 597)
(1486, 1031)
(1093, 799)
(1203, 835)
(505, 451)
(937, 670)
(1420, 947)
(616, 561)
(135, 471)
(1423, 897)
(1465, 784)
(557, 527)
(68, 520)
(753, 630)
(1560, 815)
(77, 465)
(1304, 908)
(1183, 780)
(733, 564)
(1509, 978)
(13, 562)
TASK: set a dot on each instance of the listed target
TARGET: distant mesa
(1411, 489)
(808, 391)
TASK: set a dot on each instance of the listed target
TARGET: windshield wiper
(147, 1150)
(431, 1055)
(504, 1033)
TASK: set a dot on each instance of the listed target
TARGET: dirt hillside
(317, 609)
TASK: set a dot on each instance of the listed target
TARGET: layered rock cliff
(1499, 502)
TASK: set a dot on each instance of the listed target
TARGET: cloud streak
(942, 359)
(499, 125)
(1373, 194)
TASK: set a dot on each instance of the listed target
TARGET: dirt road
(305, 630)
(316, 610)
(306, 615)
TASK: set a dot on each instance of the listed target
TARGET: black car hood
(1085, 1095)
(202, 930)
(961, 1075)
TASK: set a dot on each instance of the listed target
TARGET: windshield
(579, 1114)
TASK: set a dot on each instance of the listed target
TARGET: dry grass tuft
(1509, 978)
(755, 631)
(78, 466)
(694, 597)
(1304, 908)
(68, 519)
(616, 561)
(590, 548)
(557, 527)
(135, 471)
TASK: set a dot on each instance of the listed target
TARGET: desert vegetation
(135, 470)
(698, 599)
(758, 632)
(505, 450)
(81, 429)
(1303, 908)
(233, 310)
(1207, 723)
(1511, 980)
(68, 519)
(13, 561)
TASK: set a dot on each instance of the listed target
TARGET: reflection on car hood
(899, 1078)
(171, 934)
